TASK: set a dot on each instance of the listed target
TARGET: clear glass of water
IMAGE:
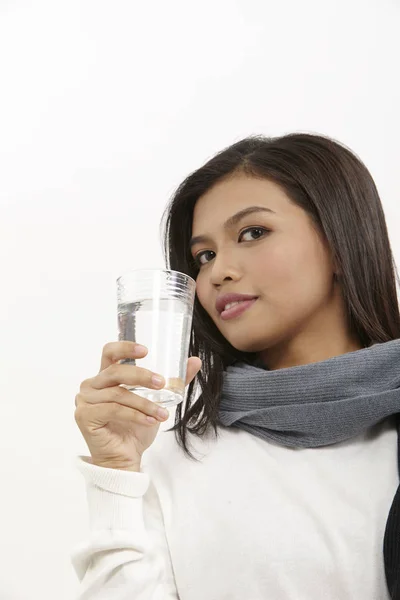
(155, 309)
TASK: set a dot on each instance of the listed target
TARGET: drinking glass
(155, 309)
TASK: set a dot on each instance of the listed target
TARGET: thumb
(193, 367)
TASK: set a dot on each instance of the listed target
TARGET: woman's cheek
(200, 293)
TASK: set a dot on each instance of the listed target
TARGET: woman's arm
(126, 554)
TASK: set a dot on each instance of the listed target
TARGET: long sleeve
(126, 555)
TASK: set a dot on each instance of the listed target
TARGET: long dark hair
(336, 189)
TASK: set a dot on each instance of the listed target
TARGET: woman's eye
(260, 230)
(199, 256)
(251, 229)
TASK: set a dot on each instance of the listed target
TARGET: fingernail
(140, 348)
(161, 412)
(157, 380)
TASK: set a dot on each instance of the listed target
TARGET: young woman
(294, 492)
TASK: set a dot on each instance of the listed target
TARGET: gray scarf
(315, 404)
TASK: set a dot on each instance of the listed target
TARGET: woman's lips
(237, 310)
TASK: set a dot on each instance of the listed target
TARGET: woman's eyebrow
(231, 222)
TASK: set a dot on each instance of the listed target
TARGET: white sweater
(252, 521)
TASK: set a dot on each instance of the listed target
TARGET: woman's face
(277, 256)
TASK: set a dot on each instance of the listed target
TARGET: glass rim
(150, 272)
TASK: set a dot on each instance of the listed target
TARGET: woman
(294, 492)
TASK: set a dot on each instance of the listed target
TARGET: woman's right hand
(115, 421)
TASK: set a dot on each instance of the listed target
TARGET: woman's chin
(248, 345)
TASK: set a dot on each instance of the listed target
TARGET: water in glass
(163, 326)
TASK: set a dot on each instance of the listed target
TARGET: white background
(104, 108)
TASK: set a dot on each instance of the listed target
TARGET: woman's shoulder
(166, 450)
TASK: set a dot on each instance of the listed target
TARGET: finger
(123, 397)
(90, 417)
(193, 367)
(115, 351)
(129, 375)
